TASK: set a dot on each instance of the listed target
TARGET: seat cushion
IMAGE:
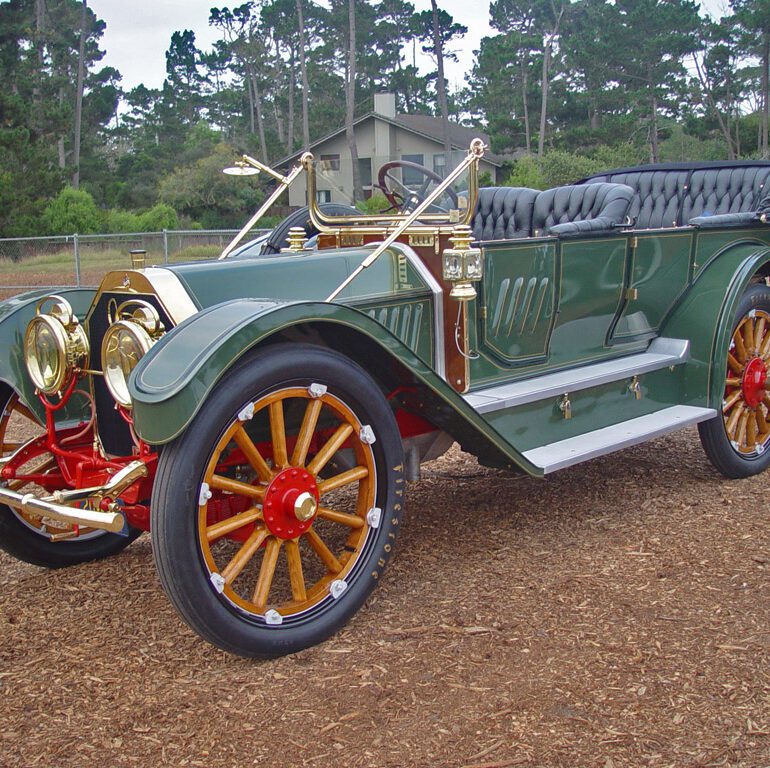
(503, 213)
(561, 205)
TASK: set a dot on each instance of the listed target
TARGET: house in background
(383, 136)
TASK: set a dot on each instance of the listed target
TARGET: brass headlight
(55, 345)
(126, 342)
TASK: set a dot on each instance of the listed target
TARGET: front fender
(706, 316)
(173, 380)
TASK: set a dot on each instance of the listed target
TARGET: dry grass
(614, 615)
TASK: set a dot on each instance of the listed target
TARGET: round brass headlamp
(126, 342)
(55, 345)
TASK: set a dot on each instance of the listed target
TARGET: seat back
(503, 213)
(723, 190)
(560, 205)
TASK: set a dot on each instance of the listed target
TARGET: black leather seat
(503, 213)
(578, 209)
(675, 194)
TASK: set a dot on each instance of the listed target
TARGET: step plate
(574, 450)
(661, 353)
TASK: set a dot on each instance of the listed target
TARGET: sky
(138, 33)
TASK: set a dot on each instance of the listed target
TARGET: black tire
(279, 237)
(183, 549)
(22, 539)
(738, 449)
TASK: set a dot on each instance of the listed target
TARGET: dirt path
(615, 615)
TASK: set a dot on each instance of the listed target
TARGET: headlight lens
(55, 345)
(124, 345)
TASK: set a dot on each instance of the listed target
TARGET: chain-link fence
(82, 260)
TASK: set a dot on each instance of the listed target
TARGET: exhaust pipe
(56, 506)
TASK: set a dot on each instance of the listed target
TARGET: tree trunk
(441, 88)
(654, 150)
(79, 98)
(260, 121)
(40, 10)
(350, 98)
(546, 81)
(524, 92)
(724, 127)
(62, 155)
(292, 86)
(250, 91)
(303, 72)
(765, 101)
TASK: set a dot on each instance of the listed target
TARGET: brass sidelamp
(463, 265)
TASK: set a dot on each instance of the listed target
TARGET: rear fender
(171, 383)
(706, 316)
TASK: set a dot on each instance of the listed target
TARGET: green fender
(706, 315)
(173, 380)
(15, 315)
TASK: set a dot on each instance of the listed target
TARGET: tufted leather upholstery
(558, 210)
(503, 213)
(674, 194)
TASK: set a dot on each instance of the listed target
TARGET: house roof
(426, 126)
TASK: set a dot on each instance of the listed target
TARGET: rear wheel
(737, 443)
(277, 509)
(39, 540)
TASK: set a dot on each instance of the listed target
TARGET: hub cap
(291, 502)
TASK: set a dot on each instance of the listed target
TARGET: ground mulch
(616, 614)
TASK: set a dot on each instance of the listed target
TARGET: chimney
(385, 104)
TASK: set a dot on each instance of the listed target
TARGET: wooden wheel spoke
(328, 559)
(762, 421)
(742, 428)
(759, 333)
(296, 577)
(732, 422)
(731, 401)
(222, 528)
(309, 422)
(343, 479)
(221, 483)
(252, 454)
(764, 349)
(266, 573)
(740, 347)
(732, 381)
(752, 430)
(748, 336)
(242, 557)
(734, 365)
(278, 435)
(352, 521)
(331, 447)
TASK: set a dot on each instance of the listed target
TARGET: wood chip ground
(616, 614)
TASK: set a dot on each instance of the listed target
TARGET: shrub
(526, 173)
(72, 211)
(159, 217)
(116, 221)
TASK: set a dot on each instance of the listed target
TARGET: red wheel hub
(753, 382)
(291, 503)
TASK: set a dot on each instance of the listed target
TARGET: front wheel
(737, 443)
(275, 512)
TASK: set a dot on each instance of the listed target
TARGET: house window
(323, 196)
(439, 164)
(365, 171)
(330, 162)
(410, 175)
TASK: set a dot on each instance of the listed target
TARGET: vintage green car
(262, 416)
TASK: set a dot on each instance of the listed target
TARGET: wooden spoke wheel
(34, 539)
(295, 505)
(738, 443)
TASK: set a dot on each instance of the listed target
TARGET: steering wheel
(402, 197)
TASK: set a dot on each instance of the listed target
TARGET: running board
(574, 450)
(661, 353)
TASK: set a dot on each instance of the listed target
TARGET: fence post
(76, 243)
(165, 246)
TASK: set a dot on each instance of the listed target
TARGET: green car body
(576, 342)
